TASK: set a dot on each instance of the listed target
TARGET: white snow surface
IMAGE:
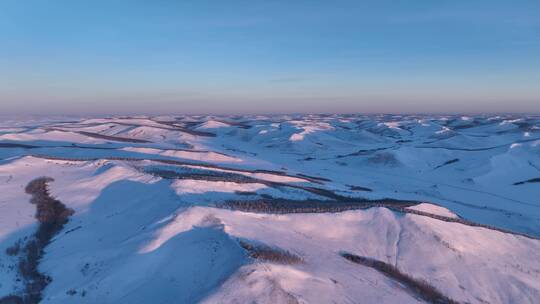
(433, 209)
(151, 224)
(213, 124)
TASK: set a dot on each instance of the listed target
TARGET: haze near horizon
(127, 57)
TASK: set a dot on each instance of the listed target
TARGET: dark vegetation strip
(11, 299)
(99, 147)
(532, 180)
(82, 147)
(477, 149)
(419, 287)
(272, 205)
(456, 220)
(188, 124)
(322, 192)
(113, 138)
(101, 136)
(533, 165)
(363, 152)
(225, 176)
(461, 149)
(170, 162)
(27, 146)
(268, 204)
(264, 171)
(175, 127)
(14, 145)
(192, 151)
(203, 175)
(469, 126)
(270, 254)
(455, 160)
(240, 151)
(77, 125)
(197, 132)
(170, 126)
(359, 188)
(221, 176)
(239, 178)
(441, 139)
(318, 178)
(247, 193)
(241, 125)
(52, 215)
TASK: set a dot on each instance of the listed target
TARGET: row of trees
(420, 287)
(52, 215)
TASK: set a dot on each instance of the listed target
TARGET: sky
(237, 57)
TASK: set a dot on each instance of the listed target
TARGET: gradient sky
(158, 56)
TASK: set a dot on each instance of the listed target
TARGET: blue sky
(101, 57)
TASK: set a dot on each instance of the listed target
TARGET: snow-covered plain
(152, 223)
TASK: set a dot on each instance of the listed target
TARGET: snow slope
(161, 207)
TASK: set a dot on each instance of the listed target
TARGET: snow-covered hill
(272, 209)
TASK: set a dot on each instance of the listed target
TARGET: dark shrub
(270, 254)
(14, 250)
(52, 216)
